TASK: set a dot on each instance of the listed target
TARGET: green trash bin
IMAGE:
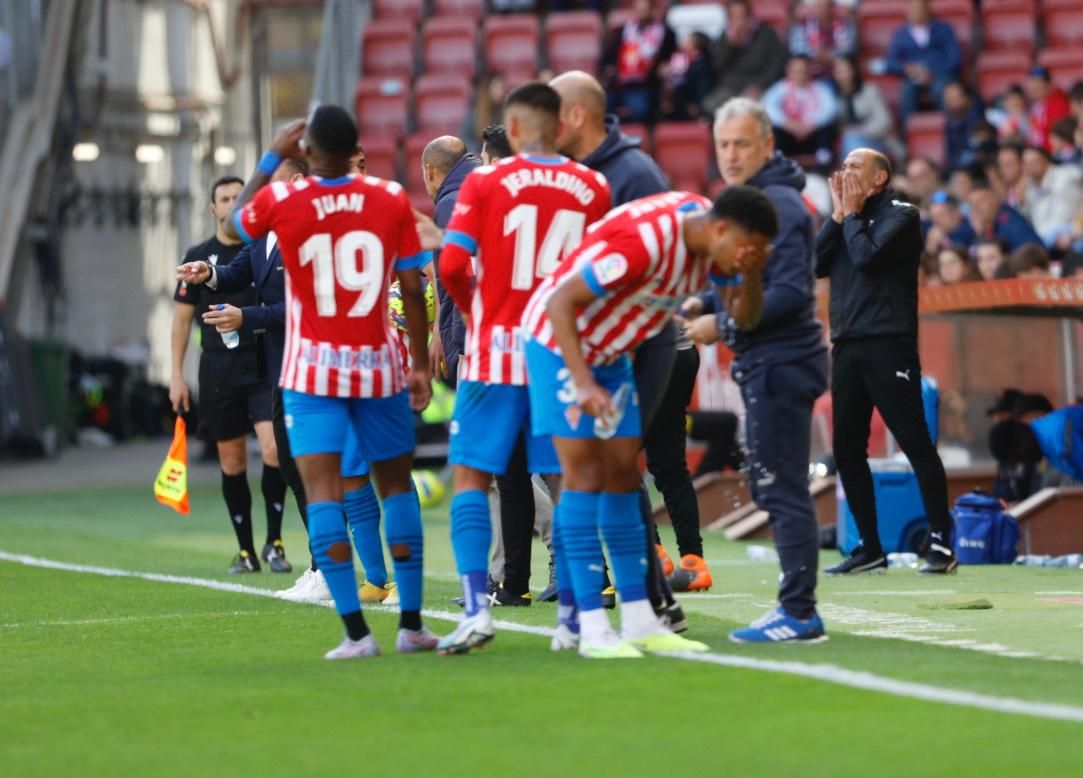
(50, 359)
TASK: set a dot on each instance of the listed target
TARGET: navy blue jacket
(451, 326)
(253, 268)
(788, 330)
(1013, 228)
(942, 57)
(631, 173)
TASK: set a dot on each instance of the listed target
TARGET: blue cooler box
(900, 511)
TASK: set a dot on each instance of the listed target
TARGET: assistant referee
(870, 249)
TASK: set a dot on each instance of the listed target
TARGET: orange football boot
(693, 575)
(667, 563)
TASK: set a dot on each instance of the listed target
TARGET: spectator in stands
(948, 226)
(803, 113)
(690, 78)
(1054, 197)
(924, 177)
(747, 59)
(864, 118)
(1047, 105)
(1062, 142)
(490, 102)
(823, 36)
(955, 266)
(1029, 261)
(1011, 116)
(925, 52)
(633, 62)
(358, 161)
(962, 113)
(1010, 170)
(494, 144)
(992, 218)
(991, 257)
(1072, 266)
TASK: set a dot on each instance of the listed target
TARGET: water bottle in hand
(231, 339)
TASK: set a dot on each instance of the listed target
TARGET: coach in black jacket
(870, 250)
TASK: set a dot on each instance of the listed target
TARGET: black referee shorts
(228, 408)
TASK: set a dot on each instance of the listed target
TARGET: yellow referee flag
(171, 486)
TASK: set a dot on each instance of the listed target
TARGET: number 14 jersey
(519, 218)
(341, 241)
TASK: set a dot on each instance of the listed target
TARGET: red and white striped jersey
(341, 241)
(636, 261)
(519, 218)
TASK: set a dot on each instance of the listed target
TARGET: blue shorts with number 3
(552, 396)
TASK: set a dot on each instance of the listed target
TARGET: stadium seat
(411, 168)
(998, 70)
(397, 9)
(1063, 23)
(387, 48)
(774, 13)
(877, 22)
(574, 41)
(448, 45)
(1065, 65)
(381, 157)
(1009, 27)
(382, 108)
(463, 9)
(639, 131)
(511, 43)
(683, 151)
(925, 136)
(442, 104)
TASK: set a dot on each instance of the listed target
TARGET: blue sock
(331, 547)
(363, 518)
(626, 538)
(471, 536)
(404, 538)
(582, 547)
(567, 612)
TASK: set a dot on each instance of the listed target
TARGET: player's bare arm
(286, 144)
(417, 327)
(183, 315)
(745, 301)
(570, 296)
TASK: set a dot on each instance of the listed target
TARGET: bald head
(873, 169)
(582, 112)
(437, 160)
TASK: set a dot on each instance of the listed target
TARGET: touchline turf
(107, 675)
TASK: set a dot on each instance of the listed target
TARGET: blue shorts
(486, 425)
(552, 396)
(362, 430)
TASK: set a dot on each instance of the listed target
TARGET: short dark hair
(701, 40)
(747, 207)
(333, 131)
(495, 138)
(223, 181)
(1076, 92)
(536, 95)
(1029, 256)
(1064, 129)
(299, 165)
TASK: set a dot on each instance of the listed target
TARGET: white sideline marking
(126, 619)
(841, 676)
(1062, 594)
(896, 593)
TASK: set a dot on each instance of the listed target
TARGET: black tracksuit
(872, 261)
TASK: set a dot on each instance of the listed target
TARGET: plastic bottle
(231, 339)
(901, 559)
(761, 554)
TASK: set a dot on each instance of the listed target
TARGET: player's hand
(837, 213)
(431, 236)
(288, 141)
(436, 357)
(853, 194)
(594, 401)
(703, 330)
(751, 259)
(178, 396)
(194, 272)
(419, 383)
(228, 319)
(691, 308)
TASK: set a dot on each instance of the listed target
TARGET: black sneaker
(549, 593)
(244, 563)
(274, 554)
(674, 618)
(940, 559)
(859, 562)
(501, 597)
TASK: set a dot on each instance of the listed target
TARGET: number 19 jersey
(519, 218)
(341, 241)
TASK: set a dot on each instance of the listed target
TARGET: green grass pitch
(122, 676)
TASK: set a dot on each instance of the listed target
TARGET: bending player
(619, 288)
(342, 237)
(532, 208)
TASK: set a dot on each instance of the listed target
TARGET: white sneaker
(413, 641)
(310, 587)
(354, 649)
(472, 632)
(608, 645)
(564, 639)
